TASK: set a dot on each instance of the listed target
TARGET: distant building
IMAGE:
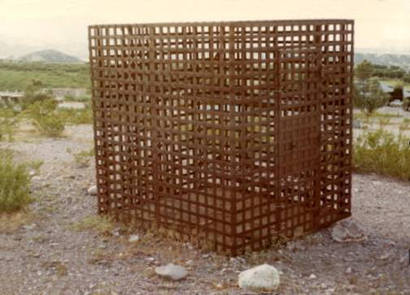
(10, 97)
(386, 87)
(406, 93)
(395, 93)
(60, 93)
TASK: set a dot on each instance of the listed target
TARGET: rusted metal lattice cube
(234, 133)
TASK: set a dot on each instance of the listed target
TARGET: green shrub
(34, 93)
(14, 184)
(51, 125)
(8, 123)
(77, 116)
(46, 118)
(384, 153)
(369, 96)
(83, 158)
(98, 223)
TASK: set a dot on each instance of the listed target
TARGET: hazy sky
(380, 24)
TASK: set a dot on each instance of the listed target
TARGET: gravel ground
(42, 253)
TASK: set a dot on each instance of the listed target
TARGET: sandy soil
(41, 252)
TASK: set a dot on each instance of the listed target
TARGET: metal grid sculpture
(234, 133)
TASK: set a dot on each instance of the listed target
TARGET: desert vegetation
(383, 152)
(16, 75)
(382, 142)
(14, 184)
(39, 111)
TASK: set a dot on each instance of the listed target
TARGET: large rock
(347, 230)
(171, 271)
(262, 277)
(92, 191)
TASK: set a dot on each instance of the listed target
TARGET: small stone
(312, 276)
(133, 238)
(262, 277)
(347, 231)
(349, 270)
(29, 227)
(92, 191)
(171, 271)
(32, 173)
(189, 262)
(115, 232)
(385, 256)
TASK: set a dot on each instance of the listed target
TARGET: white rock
(262, 277)
(312, 276)
(133, 238)
(92, 191)
(171, 271)
(29, 227)
(349, 270)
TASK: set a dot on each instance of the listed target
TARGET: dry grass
(97, 223)
(10, 222)
(58, 267)
(83, 158)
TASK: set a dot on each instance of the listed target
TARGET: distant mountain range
(55, 56)
(50, 56)
(387, 59)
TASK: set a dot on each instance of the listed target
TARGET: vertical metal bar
(278, 201)
(155, 143)
(318, 81)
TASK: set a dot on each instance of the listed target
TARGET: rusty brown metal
(233, 133)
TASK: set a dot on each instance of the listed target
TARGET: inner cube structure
(236, 134)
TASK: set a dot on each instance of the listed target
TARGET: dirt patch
(45, 255)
